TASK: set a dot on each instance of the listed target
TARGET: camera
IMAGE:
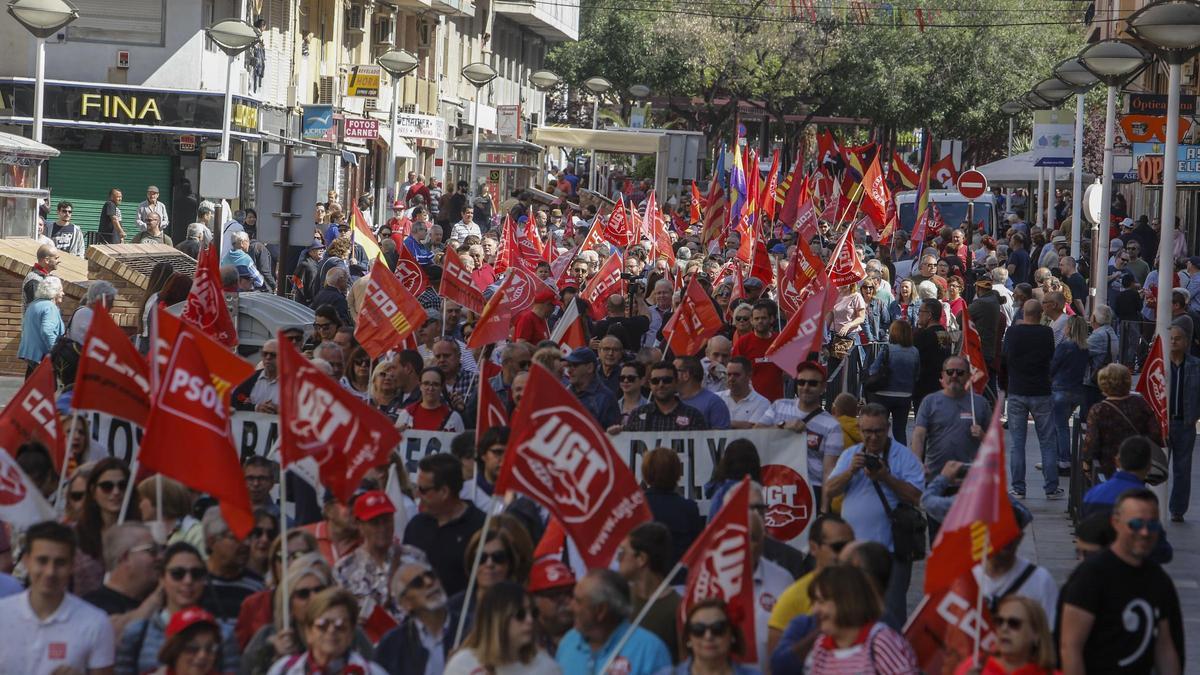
(872, 463)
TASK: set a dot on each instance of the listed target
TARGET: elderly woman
(893, 376)
(100, 292)
(328, 629)
(503, 640)
(385, 394)
(1117, 417)
(848, 608)
(661, 471)
(1024, 643)
(42, 324)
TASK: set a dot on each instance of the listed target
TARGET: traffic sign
(971, 184)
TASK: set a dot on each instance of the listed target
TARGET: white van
(953, 207)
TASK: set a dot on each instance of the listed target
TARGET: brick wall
(17, 257)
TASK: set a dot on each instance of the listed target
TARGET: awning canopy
(1019, 170)
(602, 140)
(403, 150)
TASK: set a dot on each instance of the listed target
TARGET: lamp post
(1011, 109)
(598, 86)
(544, 81)
(478, 74)
(1171, 30)
(397, 63)
(1113, 62)
(42, 18)
(1081, 80)
(232, 36)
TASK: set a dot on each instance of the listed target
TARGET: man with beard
(664, 412)
(805, 414)
(550, 586)
(422, 642)
(229, 581)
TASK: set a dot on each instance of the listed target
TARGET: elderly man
(445, 523)
(716, 356)
(551, 584)
(153, 232)
(661, 309)
(746, 406)
(260, 392)
(460, 382)
(422, 641)
(131, 573)
(152, 205)
(365, 571)
(878, 466)
(230, 582)
(417, 238)
(194, 243)
(612, 353)
(603, 606)
(110, 230)
(950, 422)
(332, 354)
(580, 366)
(47, 262)
(333, 293)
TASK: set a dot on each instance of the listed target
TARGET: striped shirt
(878, 649)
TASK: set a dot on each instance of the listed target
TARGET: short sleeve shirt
(947, 422)
(861, 507)
(77, 635)
(643, 653)
(824, 435)
(106, 215)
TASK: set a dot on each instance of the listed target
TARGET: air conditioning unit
(326, 89)
(384, 30)
(408, 109)
(424, 35)
(370, 104)
(1188, 71)
(356, 18)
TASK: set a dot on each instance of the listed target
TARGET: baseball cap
(188, 617)
(812, 365)
(1115, 245)
(778, 249)
(549, 573)
(581, 355)
(372, 504)
(1128, 222)
(752, 281)
(397, 205)
(1058, 240)
(545, 295)
(1194, 261)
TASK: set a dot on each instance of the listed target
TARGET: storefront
(503, 166)
(1148, 163)
(128, 138)
(20, 160)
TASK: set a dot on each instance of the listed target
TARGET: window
(125, 22)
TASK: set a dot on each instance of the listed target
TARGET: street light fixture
(1080, 80)
(232, 36)
(544, 81)
(1113, 62)
(1053, 90)
(42, 18)
(397, 63)
(598, 86)
(479, 74)
(1171, 30)
(639, 91)
(1033, 101)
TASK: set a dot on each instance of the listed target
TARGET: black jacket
(401, 652)
(328, 295)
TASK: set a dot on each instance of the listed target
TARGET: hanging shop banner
(508, 120)
(318, 124)
(1053, 138)
(1148, 158)
(421, 126)
(1150, 128)
(358, 127)
(363, 81)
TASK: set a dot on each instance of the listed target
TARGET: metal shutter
(84, 179)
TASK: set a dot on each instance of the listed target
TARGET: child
(845, 409)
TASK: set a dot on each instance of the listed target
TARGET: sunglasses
(306, 593)
(209, 648)
(837, 546)
(268, 532)
(718, 628)
(1009, 622)
(109, 486)
(954, 372)
(803, 382)
(662, 380)
(524, 613)
(419, 582)
(76, 496)
(196, 573)
(324, 624)
(1151, 525)
(498, 557)
(741, 318)
(629, 378)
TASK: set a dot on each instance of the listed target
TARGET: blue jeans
(1064, 403)
(1020, 408)
(1182, 443)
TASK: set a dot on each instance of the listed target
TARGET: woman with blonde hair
(1117, 417)
(178, 522)
(328, 626)
(1067, 368)
(503, 640)
(258, 609)
(551, 358)
(1024, 643)
(384, 390)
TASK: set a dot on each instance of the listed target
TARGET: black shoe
(1176, 517)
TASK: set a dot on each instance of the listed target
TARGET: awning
(1019, 169)
(403, 150)
(602, 140)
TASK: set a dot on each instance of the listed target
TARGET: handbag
(879, 379)
(840, 346)
(908, 528)
(1159, 463)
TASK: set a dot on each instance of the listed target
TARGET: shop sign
(363, 81)
(500, 157)
(421, 126)
(187, 143)
(317, 124)
(358, 127)
(1150, 128)
(1148, 158)
(508, 120)
(1053, 138)
(1156, 104)
(71, 104)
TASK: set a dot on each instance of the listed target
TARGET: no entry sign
(972, 184)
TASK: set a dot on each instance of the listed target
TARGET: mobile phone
(962, 471)
(872, 462)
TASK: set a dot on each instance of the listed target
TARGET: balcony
(454, 7)
(554, 21)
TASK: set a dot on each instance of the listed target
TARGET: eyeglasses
(196, 573)
(76, 496)
(718, 628)
(1151, 525)
(422, 580)
(837, 546)
(497, 557)
(109, 486)
(525, 613)
(268, 532)
(324, 624)
(306, 593)
(740, 319)
(629, 378)
(209, 648)
(1009, 622)
(954, 372)
(662, 380)
(804, 382)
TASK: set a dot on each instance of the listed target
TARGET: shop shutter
(84, 179)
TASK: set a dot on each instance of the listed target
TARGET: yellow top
(792, 603)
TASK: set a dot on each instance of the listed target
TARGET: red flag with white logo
(721, 566)
(657, 228)
(981, 508)
(804, 332)
(606, 282)
(1152, 385)
(112, 377)
(617, 228)
(514, 295)
(389, 313)
(845, 266)
(559, 456)
(226, 372)
(409, 272)
(21, 503)
(972, 351)
(693, 322)
(32, 416)
(944, 173)
(569, 332)
(876, 194)
(942, 628)
(320, 418)
(457, 284)
(491, 411)
(206, 308)
(804, 267)
(189, 406)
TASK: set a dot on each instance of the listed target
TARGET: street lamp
(397, 63)
(478, 74)
(1171, 30)
(1113, 62)
(598, 86)
(1033, 101)
(544, 81)
(1080, 80)
(42, 18)
(232, 36)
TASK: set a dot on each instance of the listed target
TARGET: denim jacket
(1068, 367)
(904, 364)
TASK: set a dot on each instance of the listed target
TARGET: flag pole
(979, 593)
(158, 499)
(467, 599)
(283, 549)
(59, 500)
(133, 472)
(641, 615)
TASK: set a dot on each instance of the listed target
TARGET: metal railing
(1134, 339)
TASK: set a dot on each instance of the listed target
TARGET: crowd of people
(380, 584)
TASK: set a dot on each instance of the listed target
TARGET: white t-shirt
(464, 663)
(750, 409)
(1039, 587)
(77, 635)
(770, 581)
(824, 435)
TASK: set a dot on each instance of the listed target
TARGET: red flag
(206, 308)
(1152, 385)
(829, 155)
(491, 412)
(943, 173)
(189, 406)
(845, 266)
(906, 176)
(658, 232)
(972, 351)
(980, 510)
(409, 272)
(760, 265)
(226, 373)
(514, 296)
(32, 416)
(695, 207)
(617, 230)
(943, 626)
(803, 268)
(767, 198)
(876, 194)
(560, 457)
(606, 282)
(112, 378)
(720, 565)
(796, 192)
(693, 322)
(804, 332)
(389, 313)
(922, 203)
(569, 332)
(457, 284)
(320, 418)
(507, 250)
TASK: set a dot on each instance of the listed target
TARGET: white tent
(1019, 170)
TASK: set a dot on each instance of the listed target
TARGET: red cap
(549, 573)
(545, 295)
(812, 365)
(371, 505)
(188, 617)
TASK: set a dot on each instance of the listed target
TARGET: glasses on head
(268, 532)
(109, 486)
(325, 624)
(196, 573)
(719, 628)
(1009, 622)
(805, 382)
(1151, 525)
(497, 557)
(208, 648)
(662, 380)
(306, 593)
(954, 372)
(629, 378)
(419, 582)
